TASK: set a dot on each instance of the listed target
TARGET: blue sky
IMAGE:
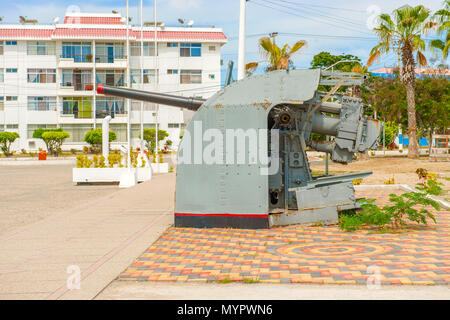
(327, 25)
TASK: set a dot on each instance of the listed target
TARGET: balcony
(111, 61)
(77, 86)
(75, 61)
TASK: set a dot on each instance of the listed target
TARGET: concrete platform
(100, 239)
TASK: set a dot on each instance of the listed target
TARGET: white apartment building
(48, 75)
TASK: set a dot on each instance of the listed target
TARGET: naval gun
(242, 161)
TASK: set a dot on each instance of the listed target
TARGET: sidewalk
(101, 237)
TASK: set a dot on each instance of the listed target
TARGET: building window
(78, 51)
(172, 44)
(32, 127)
(135, 76)
(212, 76)
(109, 106)
(11, 70)
(190, 76)
(212, 48)
(191, 50)
(40, 48)
(173, 125)
(136, 129)
(11, 98)
(149, 75)
(107, 52)
(76, 131)
(172, 71)
(149, 49)
(12, 126)
(42, 103)
(2, 76)
(80, 80)
(120, 130)
(42, 75)
(11, 43)
(114, 78)
(79, 107)
(1, 48)
(2, 104)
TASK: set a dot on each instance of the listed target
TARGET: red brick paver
(300, 254)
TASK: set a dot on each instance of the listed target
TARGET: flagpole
(156, 76)
(129, 85)
(142, 72)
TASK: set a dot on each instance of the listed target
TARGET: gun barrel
(154, 97)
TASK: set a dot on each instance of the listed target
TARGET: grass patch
(250, 280)
(223, 281)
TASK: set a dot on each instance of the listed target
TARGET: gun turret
(225, 167)
(154, 97)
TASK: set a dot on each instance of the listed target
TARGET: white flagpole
(156, 77)
(129, 85)
(142, 72)
(241, 50)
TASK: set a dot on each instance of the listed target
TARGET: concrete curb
(403, 187)
(33, 162)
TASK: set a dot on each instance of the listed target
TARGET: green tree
(6, 139)
(405, 27)
(432, 95)
(37, 134)
(325, 59)
(95, 139)
(433, 105)
(150, 138)
(387, 97)
(54, 140)
(442, 19)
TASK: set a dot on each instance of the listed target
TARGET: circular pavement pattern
(333, 250)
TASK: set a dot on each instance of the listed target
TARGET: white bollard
(105, 138)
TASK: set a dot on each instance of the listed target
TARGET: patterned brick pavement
(300, 254)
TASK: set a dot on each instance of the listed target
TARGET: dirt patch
(403, 170)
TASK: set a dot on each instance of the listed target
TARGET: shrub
(390, 181)
(37, 134)
(95, 139)
(402, 207)
(432, 187)
(6, 139)
(149, 137)
(54, 140)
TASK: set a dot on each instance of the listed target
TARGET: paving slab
(99, 239)
(301, 254)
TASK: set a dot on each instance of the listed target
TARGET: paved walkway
(300, 254)
(101, 238)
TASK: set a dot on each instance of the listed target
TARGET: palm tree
(442, 17)
(279, 58)
(405, 28)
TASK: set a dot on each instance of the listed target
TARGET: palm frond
(421, 59)
(374, 57)
(297, 46)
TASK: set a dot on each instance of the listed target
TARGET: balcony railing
(81, 58)
(100, 114)
(108, 58)
(84, 86)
